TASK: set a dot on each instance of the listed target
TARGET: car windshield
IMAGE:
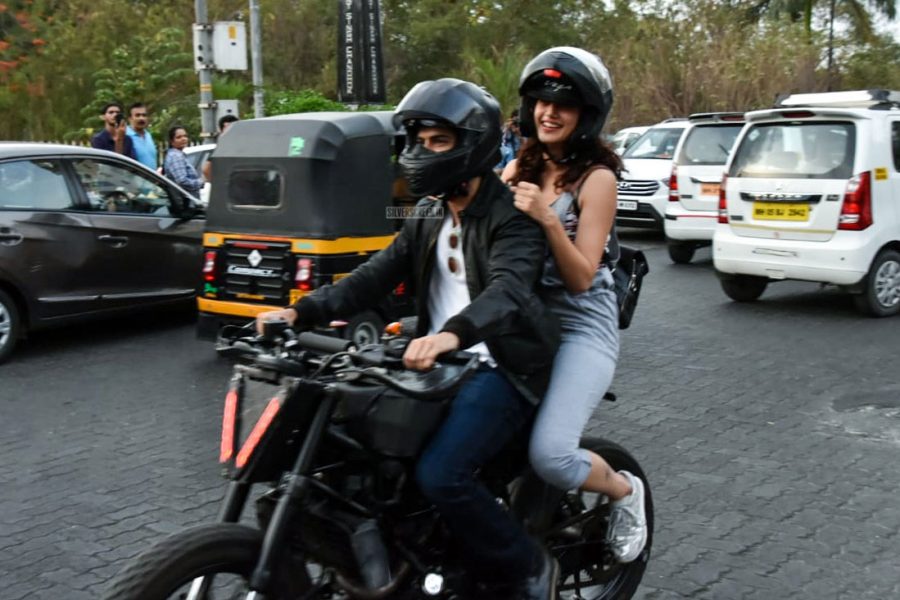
(655, 143)
(810, 150)
(709, 144)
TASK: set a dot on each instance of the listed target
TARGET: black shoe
(542, 585)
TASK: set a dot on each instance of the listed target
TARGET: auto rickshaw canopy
(312, 175)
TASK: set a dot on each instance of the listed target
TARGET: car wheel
(881, 295)
(681, 253)
(744, 288)
(364, 328)
(10, 325)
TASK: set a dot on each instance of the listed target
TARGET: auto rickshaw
(297, 202)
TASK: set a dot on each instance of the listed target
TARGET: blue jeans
(485, 415)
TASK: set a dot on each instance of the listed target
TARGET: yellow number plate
(709, 189)
(777, 211)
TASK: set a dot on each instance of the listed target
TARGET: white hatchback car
(623, 138)
(700, 158)
(644, 189)
(812, 192)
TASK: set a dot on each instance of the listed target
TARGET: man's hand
(120, 132)
(422, 352)
(288, 314)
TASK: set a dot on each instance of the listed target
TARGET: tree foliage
(61, 59)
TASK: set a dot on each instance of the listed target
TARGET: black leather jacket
(504, 251)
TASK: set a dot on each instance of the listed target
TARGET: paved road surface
(769, 431)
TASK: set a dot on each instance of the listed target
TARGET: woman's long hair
(533, 158)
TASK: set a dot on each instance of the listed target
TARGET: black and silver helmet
(570, 76)
(471, 112)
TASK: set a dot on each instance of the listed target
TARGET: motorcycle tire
(166, 570)
(573, 524)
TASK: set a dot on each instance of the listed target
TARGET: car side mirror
(185, 207)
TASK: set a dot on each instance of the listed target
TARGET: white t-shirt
(448, 293)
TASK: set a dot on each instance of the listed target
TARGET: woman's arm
(577, 262)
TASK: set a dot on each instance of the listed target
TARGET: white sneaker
(627, 532)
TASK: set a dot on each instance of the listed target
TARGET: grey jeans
(582, 372)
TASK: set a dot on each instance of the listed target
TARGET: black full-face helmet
(568, 76)
(471, 112)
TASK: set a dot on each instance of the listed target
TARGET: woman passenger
(565, 179)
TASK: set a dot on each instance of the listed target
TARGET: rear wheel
(223, 554)
(681, 253)
(744, 288)
(364, 328)
(10, 325)
(881, 296)
(573, 527)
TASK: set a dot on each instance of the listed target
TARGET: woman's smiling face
(555, 122)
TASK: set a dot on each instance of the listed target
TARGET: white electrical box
(229, 51)
(227, 107)
(202, 53)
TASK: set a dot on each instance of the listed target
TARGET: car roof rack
(718, 116)
(872, 99)
(672, 120)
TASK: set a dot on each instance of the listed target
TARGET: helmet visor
(451, 106)
(551, 85)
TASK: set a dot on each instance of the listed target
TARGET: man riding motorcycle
(473, 270)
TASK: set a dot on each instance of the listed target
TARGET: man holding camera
(113, 136)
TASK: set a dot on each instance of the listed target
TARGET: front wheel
(573, 527)
(10, 325)
(881, 296)
(223, 554)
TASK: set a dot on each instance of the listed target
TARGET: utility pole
(256, 59)
(203, 52)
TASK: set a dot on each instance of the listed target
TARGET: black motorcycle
(332, 434)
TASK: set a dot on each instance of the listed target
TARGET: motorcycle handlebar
(323, 343)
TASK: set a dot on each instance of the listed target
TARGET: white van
(644, 189)
(812, 192)
(692, 210)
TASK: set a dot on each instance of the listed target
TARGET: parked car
(623, 138)
(644, 189)
(812, 192)
(86, 232)
(692, 211)
(197, 156)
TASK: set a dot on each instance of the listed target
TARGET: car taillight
(673, 185)
(209, 265)
(303, 280)
(856, 213)
(400, 289)
(723, 204)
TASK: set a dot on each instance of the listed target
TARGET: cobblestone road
(770, 433)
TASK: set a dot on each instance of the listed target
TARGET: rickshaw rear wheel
(364, 328)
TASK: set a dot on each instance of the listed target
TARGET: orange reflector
(228, 418)
(258, 430)
(394, 328)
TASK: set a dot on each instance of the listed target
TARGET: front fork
(292, 485)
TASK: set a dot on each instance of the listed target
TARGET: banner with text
(360, 64)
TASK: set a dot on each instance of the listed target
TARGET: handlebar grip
(323, 343)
